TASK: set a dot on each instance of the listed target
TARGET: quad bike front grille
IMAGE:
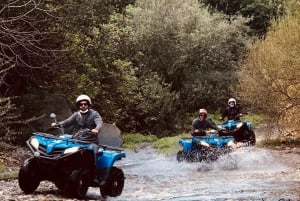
(54, 154)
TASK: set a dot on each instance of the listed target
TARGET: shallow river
(249, 173)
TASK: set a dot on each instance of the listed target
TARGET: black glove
(199, 133)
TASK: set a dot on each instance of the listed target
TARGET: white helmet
(203, 111)
(83, 97)
(231, 100)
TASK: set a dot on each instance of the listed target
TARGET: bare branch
(26, 43)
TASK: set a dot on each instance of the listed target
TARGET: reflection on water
(248, 173)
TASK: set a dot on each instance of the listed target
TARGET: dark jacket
(90, 120)
(231, 113)
(203, 126)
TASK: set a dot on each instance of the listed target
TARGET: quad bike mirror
(53, 115)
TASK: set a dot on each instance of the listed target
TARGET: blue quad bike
(204, 148)
(242, 131)
(72, 165)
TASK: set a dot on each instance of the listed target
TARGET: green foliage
(154, 69)
(131, 140)
(169, 145)
(158, 107)
(165, 145)
(272, 86)
(259, 12)
(146, 64)
(97, 65)
(193, 51)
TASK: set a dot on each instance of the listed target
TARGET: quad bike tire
(27, 178)
(180, 156)
(209, 154)
(60, 185)
(113, 187)
(194, 156)
(252, 138)
(78, 183)
(249, 138)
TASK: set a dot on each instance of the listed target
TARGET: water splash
(247, 173)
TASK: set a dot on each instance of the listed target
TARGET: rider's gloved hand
(198, 132)
(95, 131)
(55, 124)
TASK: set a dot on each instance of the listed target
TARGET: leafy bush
(169, 145)
(272, 68)
(194, 54)
(165, 145)
(260, 12)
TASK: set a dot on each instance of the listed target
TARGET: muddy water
(249, 173)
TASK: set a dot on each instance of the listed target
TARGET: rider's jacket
(80, 121)
(232, 113)
(203, 125)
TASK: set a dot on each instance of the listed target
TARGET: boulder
(110, 135)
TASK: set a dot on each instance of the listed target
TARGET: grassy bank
(169, 145)
(166, 145)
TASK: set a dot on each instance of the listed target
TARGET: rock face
(110, 135)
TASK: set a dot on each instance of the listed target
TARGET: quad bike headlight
(230, 144)
(71, 150)
(239, 125)
(203, 144)
(35, 143)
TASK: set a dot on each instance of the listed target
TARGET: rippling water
(248, 173)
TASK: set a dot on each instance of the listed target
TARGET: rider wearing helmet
(84, 118)
(87, 122)
(232, 111)
(202, 123)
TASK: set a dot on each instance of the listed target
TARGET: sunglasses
(201, 115)
(83, 104)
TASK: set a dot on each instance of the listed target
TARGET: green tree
(180, 57)
(260, 12)
(97, 64)
(146, 66)
(38, 42)
(192, 50)
(272, 68)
